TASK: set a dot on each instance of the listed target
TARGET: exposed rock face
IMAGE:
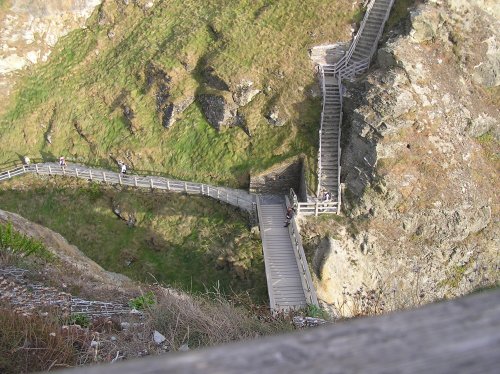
(420, 190)
(218, 110)
(244, 93)
(275, 118)
(31, 28)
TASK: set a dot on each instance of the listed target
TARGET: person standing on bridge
(62, 161)
(289, 215)
(123, 169)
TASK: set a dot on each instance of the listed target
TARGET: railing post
(76, 172)
(104, 177)
(50, 170)
(208, 190)
(36, 168)
(218, 194)
(135, 181)
(8, 173)
(151, 182)
(185, 187)
(120, 179)
(316, 209)
(90, 174)
(168, 185)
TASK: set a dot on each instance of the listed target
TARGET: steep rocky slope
(420, 167)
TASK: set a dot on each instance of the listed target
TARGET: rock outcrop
(31, 28)
(419, 186)
(218, 110)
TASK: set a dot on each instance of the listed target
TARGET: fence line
(240, 199)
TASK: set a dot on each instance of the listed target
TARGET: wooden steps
(283, 277)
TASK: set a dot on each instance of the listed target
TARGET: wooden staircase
(355, 61)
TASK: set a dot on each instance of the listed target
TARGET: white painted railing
(298, 249)
(320, 170)
(318, 207)
(344, 68)
(342, 63)
(237, 198)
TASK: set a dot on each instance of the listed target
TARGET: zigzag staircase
(355, 61)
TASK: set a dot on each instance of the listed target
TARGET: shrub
(82, 320)
(316, 312)
(144, 301)
(16, 242)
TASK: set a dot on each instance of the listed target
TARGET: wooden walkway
(285, 272)
(238, 198)
(288, 278)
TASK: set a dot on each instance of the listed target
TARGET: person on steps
(62, 161)
(327, 196)
(26, 161)
(123, 168)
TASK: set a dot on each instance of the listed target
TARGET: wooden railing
(342, 63)
(298, 249)
(320, 173)
(318, 207)
(229, 196)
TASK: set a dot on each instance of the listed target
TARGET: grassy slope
(177, 239)
(87, 72)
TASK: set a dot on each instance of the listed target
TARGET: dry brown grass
(34, 343)
(208, 320)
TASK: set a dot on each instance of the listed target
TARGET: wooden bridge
(289, 280)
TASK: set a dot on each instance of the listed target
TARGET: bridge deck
(283, 277)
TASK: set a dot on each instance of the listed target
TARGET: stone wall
(278, 179)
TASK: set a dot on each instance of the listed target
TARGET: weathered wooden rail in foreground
(238, 198)
(459, 336)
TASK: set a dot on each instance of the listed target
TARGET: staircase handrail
(298, 249)
(381, 30)
(323, 86)
(342, 63)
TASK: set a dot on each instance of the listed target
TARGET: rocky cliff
(420, 167)
(31, 28)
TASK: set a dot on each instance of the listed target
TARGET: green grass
(177, 239)
(89, 76)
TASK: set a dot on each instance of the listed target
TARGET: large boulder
(218, 110)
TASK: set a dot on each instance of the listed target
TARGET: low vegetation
(35, 343)
(13, 242)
